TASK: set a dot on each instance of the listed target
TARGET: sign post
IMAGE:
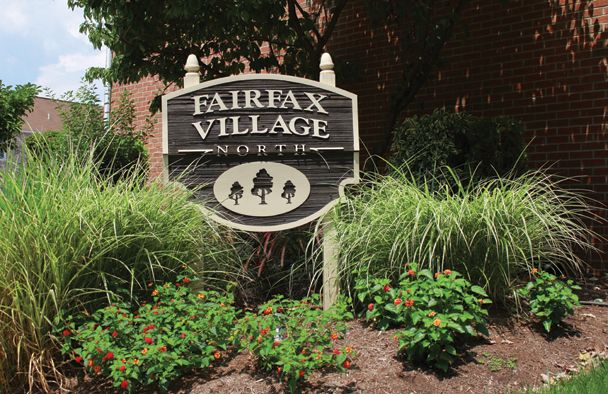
(264, 152)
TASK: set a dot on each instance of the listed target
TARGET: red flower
(115, 334)
(275, 344)
(397, 301)
(97, 369)
(302, 374)
(280, 309)
(409, 303)
(387, 288)
(186, 281)
(183, 335)
(346, 364)
(411, 273)
(78, 359)
(267, 311)
(264, 331)
(178, 284)
(66, 332)
(122, 368)
(370, 307)
(217, 355)
(279, 370)
(148, 340)
(336, 351)
(109, 356)
(124, 384)
(162, 349)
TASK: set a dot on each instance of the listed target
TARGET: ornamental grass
(493, 232)
(72, 240)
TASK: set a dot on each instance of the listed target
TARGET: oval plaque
(261, 189)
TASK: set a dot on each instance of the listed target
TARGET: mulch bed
(484, 368)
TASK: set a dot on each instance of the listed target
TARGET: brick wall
(544, 62)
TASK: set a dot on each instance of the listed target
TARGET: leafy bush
(157, 342)
(118, 147)
(478, 147)
(293, 338)
(550, 299)
(71, 240)
(14, 104)
(492, 231)
(438, 312)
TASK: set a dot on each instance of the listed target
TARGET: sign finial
(327, 75)
(192, 71)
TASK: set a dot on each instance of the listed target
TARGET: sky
(40, 43)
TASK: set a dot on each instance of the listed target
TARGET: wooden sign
(264, 152)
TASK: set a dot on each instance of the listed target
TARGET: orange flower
(409, 303)
(136, 361)
(432, 314)
(162, 349)
(397, 301)
(437, 275)
(279, 370)
(217, 355)
(97, 369)
(201, 296)
(267, 311)
(411, 273)
(436, 322)
(334, 336)
(348, 349)
(447, 272)
(155, 293)
(534, 271)
(186, 280)
(275, 344)
(91, 362)
(144, 351)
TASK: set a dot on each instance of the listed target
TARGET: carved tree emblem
(289, 190)
(236, 193)
(262, 185)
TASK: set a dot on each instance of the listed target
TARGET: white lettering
(235, 126)
(280, 123)
(280, 148)
(316, 102)
(239, 148)
(203, 133)
(272, 97)
(301, 147)
(254, 125)
(318, 126)
(235, 99)
(252, 96)
(216, 101)
(292, 126)
(198, 103)
(291, 99)
(222, 150)
(261, 150)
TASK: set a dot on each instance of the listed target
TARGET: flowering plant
(437, 310)
(292, 338)
(152, 345)
(550, 299)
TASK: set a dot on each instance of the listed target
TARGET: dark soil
(514, 356)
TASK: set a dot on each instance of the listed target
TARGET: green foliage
(491, 232)
(593, 381)
(437, 312)
(118, 147)
(550, 299)
(496, 363)
(157, 342)
(294, 338)
(475, 147)
(14, 104)
(71, 240)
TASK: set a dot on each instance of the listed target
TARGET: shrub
(492, 232)
(181, 329)
(438, 312)
(478, 147)
(71, 240)
(293, 338)
(118, 147)
(550, 299)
